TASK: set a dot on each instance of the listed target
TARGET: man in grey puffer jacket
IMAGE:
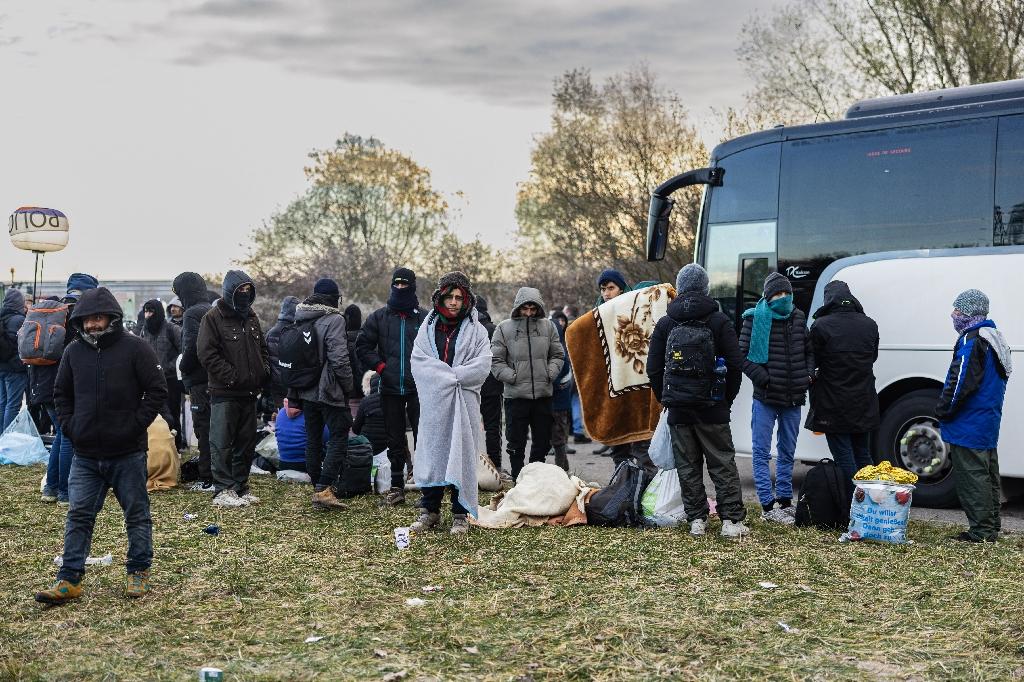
(327, 401)
(527, 357)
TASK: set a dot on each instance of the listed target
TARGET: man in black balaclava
(165, 338)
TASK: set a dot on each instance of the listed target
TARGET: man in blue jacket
(969, 412)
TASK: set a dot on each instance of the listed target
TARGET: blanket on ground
(543, 495)
(163, 463)
(449, 439)
(610, 365)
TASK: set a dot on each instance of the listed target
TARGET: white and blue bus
(909, 199)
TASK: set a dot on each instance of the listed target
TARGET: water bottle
(718, 387)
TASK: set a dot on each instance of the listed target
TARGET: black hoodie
(492, 386)
(696, 306)
(190, 287)
(231, 344)
(164, 337)
(109, 388)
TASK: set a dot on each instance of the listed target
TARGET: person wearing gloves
(451, 359)
(527, 357)
(970, 410)
(701, 432)
(234, 353)
(779, 362)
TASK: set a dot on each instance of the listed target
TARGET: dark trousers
(325, 471)
(978, 486)
(232, 439)
(490, 412)
(434, 495)
(693, 446)
(850, 451)
(522, 416)
(88, 485)
(398, 408)
(561, 427)
(637, 451)
(174, 407)
(199, 396)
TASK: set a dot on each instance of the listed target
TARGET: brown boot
(560, 458)
(326, 499)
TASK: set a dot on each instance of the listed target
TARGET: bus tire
(913, 414)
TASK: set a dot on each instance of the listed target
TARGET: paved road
(592, 467)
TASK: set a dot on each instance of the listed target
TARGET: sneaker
(603, 450)
(394, 497)
(63, 501)
(581, 439)
(326, 499)
(791, 510)
(137, 584)
(698, 527)
(202, 487)
(777, 515)
(570, 451)
(460, 524)
(734, 529)
(967, 537)
(62, 592)
(49, 495)
(425, 521)
(249, 498)
(257, 471)
(228, 498)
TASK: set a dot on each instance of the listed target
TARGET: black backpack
(618, 503)
(8, 348)
(355, 477)
(825, 498)
(298, 358)
(689, 366)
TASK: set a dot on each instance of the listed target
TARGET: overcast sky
(167, 130)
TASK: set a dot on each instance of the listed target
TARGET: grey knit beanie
(692, 278)
(776, 282)
(972, 303)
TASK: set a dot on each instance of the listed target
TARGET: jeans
(90, 481)
(522, 416)
(433, 495)
(577, 415)
(12, 392)
(762, 423)
(396, 409)
(977, 484)
(851, 451)
(58, 469)
(490, 412)
(693, 446)
(325, 471)
(199, 396)
(232, 439)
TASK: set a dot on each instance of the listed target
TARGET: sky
(168, 130)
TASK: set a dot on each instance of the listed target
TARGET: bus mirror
(657, 227)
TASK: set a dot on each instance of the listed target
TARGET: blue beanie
(79, 282)
(327, 286)
(613, 276)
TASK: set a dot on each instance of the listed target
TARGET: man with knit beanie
(779, 361)
(385, 345)
(699, 422)
(451, 360)
(970, 410)
(325, 401)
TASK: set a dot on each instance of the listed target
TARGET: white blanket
(449, 439)
(625, 325)
(541, 491)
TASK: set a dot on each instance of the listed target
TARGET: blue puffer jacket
(971, 405)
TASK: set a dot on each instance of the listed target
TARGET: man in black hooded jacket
(109, 388)
(165, 338)
(190, 287)
(490, 394)
(234, 353)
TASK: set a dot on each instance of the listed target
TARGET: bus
(909, 199)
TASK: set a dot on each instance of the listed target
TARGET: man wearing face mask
(165, 338)
(109, 388)
(233, 351)
(779, 362)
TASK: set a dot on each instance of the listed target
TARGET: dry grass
(580, 603)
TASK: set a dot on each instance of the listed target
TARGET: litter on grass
(432, 588)
(189, 517)
(212, 529)
(415, 601)
(786, 628)
(314, 638)
(105, 560)
(767, 585)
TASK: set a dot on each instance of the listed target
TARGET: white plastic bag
(660, 450)
(662, 502)
(267, 449)
(21, 444)
(380, 473)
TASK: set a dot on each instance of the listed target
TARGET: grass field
(580, 603)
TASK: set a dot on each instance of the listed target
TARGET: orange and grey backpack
(41, 337)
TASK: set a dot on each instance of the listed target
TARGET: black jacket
(369, 422)
(12, 315)
(492, 386)
(284, 318)
(165, 338)
(386, 339)
(108, 390)
(231, 346)
(845, 345)
(783, 380)
(190, 287)
(695, 306)
(353, 323)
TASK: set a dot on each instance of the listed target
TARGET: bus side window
(753, 271)
(1008, 215)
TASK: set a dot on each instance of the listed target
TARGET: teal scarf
(761, 328)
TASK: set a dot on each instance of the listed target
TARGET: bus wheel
(909, 438)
